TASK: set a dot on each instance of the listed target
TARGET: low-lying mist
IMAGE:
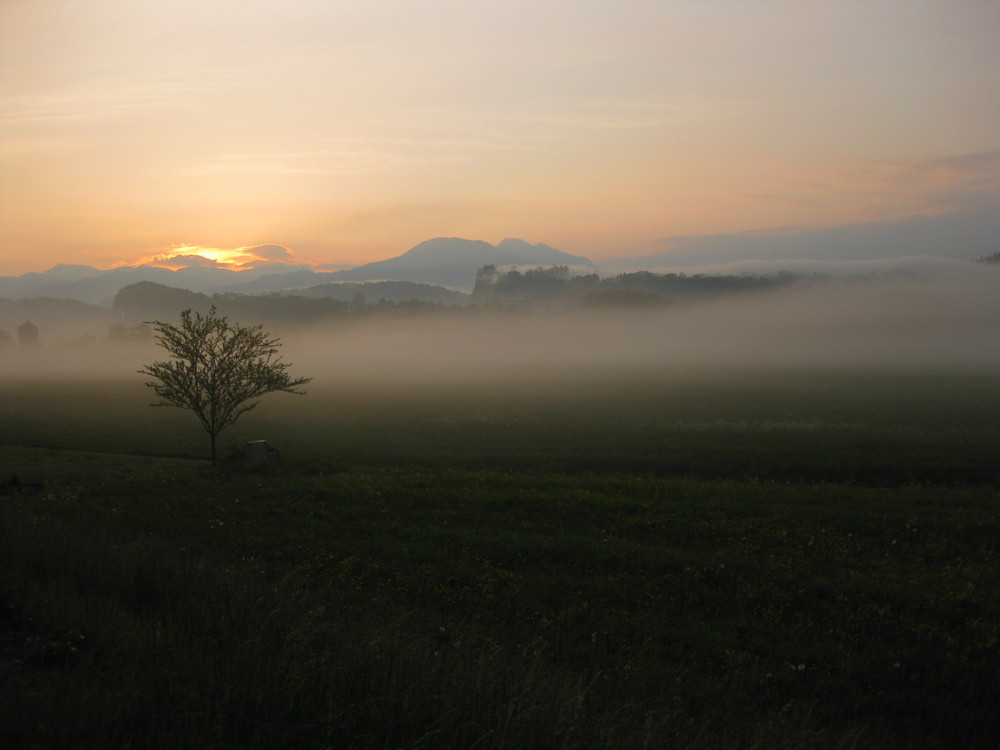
(917, 322)
(920, 321)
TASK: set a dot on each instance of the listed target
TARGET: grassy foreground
(559, 595)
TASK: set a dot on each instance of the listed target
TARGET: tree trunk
(212, 435)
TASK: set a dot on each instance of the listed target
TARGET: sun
(182, 256)
(226, 257)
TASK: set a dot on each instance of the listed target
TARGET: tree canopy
(217, 369)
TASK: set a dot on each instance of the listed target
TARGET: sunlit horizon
(230, 259)
(351, 131)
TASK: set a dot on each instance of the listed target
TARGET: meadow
(795, 557)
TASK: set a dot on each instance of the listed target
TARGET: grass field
(763, 559)
(872, 426)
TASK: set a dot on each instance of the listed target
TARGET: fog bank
(942, 319)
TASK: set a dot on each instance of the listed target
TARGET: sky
(348, 131)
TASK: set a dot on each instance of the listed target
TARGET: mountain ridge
(450, 262)
(453, 261)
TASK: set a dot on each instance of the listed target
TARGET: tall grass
(804, 561)
(428, 608)
(171, 649)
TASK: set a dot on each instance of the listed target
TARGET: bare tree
(217, 368)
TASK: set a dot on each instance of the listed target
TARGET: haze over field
(942, 320)
(344, 132)
(257, 147)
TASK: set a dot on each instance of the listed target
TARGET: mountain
(444, 262)
(295, 280)
(101, 288)
(56, 318)
(147, 300)
(453, 262)
(93, 286)
(540, 255)
(392, 291)
(31, 283)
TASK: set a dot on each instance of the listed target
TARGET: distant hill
(446, 262)
(393, 291)
(288, 281)
(34, 284)
(55, 318)
(88, 284)
(149, 301)
(557, 288)
(453, 262)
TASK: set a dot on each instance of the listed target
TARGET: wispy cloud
(975, 163)
(954, 166)
(310, 162)
(570, 116)
(359, 154)
(91, 102)
(864, 190)
(123, 95)
(942, 183)
(438, 135)
(34, 144)
(778, 199)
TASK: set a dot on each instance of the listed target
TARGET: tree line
(540, 289)
(557, 286)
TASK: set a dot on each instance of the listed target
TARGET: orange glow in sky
(179, 257)
(353, 130)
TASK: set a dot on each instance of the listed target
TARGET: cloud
(857, 191)
(233, 259)
(941, 183)
(97, 101)
(962, 235)
(190, 261)
(269, 252)
(436, 135)
(978, 162)
(780, 200)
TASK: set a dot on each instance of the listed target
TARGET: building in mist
(27, 334)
